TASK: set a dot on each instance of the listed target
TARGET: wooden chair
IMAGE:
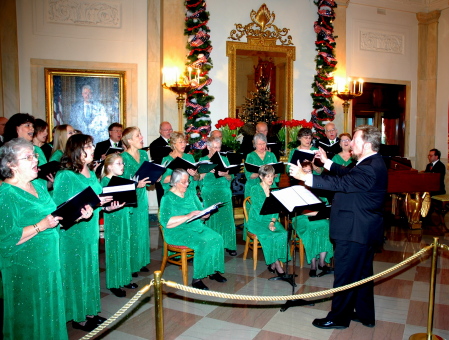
(254, 245)
(180, 257)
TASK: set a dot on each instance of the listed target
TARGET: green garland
(198, 99)
(323, 104)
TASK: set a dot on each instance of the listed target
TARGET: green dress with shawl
(139, 219)
(56, 156)
(79, 250)
(33, 293)
(117, 245)
(207, 244)
(253, 158)
(193, 183)
(274, 243)
(215, 190)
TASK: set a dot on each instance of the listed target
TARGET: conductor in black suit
(115, 136)
(356, 225)
(330, 143)
(436, 166)
(159, 148)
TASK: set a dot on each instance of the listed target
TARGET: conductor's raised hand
(321, 154)
(297, 172)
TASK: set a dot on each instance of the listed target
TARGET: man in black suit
(115, 136)
(356, 225)
(330, 143)
(159, 148)
(436, 166)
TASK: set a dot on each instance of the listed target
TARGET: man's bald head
(262, 127)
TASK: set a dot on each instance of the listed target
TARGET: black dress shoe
(134, 274)
(199, 285)
(271, 270)
(217, 277)
(132, 285)
(312, 272)
(118, 292)
(369, 324)
(327, 324)
(144, 269)
(98, 319)
(231, 252)
(89, 326)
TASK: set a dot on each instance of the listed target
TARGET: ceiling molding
(413, 6)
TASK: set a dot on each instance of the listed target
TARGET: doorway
(384, 106)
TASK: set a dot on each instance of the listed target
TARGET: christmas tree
(323, 104)
(261, 107)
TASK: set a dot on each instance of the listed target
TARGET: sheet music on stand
(291, 199)
(205, 212)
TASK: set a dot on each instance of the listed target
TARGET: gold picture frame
(88, 100)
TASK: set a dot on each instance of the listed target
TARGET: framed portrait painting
(88, 100)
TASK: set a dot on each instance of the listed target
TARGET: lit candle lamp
(360, 85)
(190, 74)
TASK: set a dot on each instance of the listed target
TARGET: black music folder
(296, 198)
(234, 158)
(202, 166)
(302, 155)
(208, 210)
(70, 210)
(113, 149)
(221, 165)
(121, 190)
(151, 170)
(278, 167)
(50, 168)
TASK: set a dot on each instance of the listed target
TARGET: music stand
(275, 204)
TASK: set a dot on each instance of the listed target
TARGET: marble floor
(401, 299)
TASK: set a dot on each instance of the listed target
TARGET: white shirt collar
(365, 157)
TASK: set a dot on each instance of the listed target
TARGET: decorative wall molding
(382, 41)
(413, 6)
(85, 13)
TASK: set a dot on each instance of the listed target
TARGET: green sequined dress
(79, 250)
(207, 244)
(274, 243)
(56, 156)
(117, 245)
(339, 160)
(193, 184)
(33, 293)
(139, 219)
(215, 190)
(314, 234)
(253, 158)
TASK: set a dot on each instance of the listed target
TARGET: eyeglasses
(30, 157)
(331, 130)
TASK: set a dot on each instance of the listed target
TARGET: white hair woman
(177, 206)
(29, 251)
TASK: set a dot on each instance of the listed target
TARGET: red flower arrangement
(229, 129)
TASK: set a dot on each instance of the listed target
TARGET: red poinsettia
(229, 129)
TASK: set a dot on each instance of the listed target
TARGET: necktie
(115, 144)
(332, 142)
(431, 166)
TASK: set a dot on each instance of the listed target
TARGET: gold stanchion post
(158, 310)
(433, 276)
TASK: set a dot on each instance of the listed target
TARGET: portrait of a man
(88, 101)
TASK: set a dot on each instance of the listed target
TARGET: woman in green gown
(62, 133)
(345, 156)
(271, 233)
(178, 145)
(133, 158)
(177, 206)
(79, 244)
(116, 235)
(215, 190)
(29, 250)
(315, 237)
